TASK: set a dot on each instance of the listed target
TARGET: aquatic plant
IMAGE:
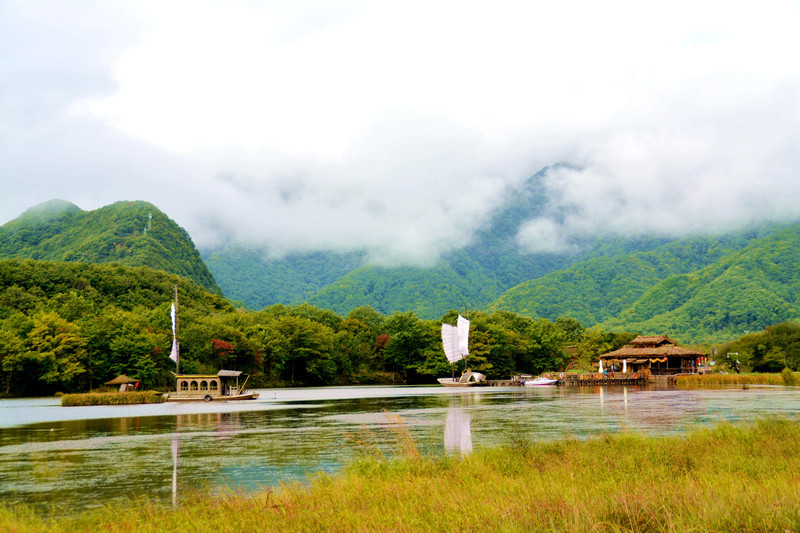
(111, 398)
(784, 378)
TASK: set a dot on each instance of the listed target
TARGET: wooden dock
(598, 379)
(578, 380)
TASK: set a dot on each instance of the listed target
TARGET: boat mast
(177, 342)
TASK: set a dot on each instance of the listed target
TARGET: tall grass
(729, 478)
(112, 398)
(787, 377)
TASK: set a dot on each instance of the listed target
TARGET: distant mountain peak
(48, 210)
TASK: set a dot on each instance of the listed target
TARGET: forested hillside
(744, 291)
(130, 233)
(698, 289)
(71, 326)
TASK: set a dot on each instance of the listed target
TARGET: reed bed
(787, 377)
(728, 478)
(111, 398)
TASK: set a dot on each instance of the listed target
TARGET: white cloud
(397, 126)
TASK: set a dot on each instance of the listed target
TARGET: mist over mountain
(698, 288)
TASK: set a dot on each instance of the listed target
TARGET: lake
(79, 457)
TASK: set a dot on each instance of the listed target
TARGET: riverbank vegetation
(112, 398)
(728, 478)
(786, 377)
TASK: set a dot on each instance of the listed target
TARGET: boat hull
(450, 382)
(208, 398)
(539, 382)
(467, 379)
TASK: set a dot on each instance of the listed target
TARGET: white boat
(541, 380)
(455, 341)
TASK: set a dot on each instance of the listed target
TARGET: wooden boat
(467, 379)
(224, 386)
(541, 380)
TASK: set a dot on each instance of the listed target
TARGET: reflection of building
(657, 355)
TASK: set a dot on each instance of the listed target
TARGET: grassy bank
(111, 398)
(787, 377)
(730, 478)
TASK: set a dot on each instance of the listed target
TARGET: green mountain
(130, 233)
(430, 293)
(695, 289)
(247, 274)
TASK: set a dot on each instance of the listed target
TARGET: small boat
(467, 379)
(541, 380)
(224, 386)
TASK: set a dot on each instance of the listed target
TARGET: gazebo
(658, 355)
(125, 383)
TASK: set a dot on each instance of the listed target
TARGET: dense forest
(72, 326)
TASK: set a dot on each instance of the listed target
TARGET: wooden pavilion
(656, 355)
(125, 383)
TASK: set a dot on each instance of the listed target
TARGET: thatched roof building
(122, 379)
(656, 354)
(125, 383)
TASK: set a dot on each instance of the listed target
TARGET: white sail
(174, 353)
(450, 343)
(463, 335)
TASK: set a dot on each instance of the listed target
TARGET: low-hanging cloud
(397, 128)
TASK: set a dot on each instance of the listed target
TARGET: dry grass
(111, 398)
(787, 377)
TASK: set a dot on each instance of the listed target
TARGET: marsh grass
(728, 478)
(111, 398)
(787, 377)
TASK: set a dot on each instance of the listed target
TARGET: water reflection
(457, 430)
(83, 462)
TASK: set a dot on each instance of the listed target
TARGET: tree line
(70, 327)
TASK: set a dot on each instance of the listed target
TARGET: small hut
(125, 383)
(657, 355)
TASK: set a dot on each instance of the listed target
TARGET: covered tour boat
(224, 386)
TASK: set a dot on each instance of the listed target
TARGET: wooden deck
(579, 380)
(596, 379)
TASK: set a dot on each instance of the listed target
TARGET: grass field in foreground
(728, 478)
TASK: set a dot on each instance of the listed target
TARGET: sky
(398, 127)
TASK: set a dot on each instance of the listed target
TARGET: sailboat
(455, 341)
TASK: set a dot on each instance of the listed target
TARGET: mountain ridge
(133, 233)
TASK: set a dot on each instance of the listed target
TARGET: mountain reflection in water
(83, 457)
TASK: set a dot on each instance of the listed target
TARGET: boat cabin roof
(220, 374)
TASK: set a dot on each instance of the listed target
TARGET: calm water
(82, 456)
